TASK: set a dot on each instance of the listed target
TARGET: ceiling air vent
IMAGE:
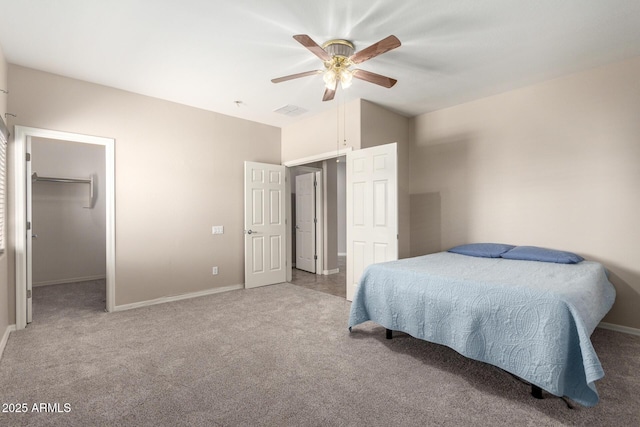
(290, 110)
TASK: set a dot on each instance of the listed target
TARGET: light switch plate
(217, 229)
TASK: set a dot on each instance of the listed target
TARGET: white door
(30, 234)
(264, 224)
(305, 222)
(372, 210)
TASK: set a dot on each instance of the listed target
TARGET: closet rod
(52, 179)
(35, 177)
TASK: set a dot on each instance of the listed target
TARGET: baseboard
(618, 328)
(71, 280)
(334, 271)
(163, 300)
(5, 338)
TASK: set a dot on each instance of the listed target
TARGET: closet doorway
(330, 231)
(64, 187)
(68, 223)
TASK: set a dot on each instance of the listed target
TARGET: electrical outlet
(217, 229)
(215, 270)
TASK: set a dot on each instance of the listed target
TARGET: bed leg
(536, 391)
(389, 333)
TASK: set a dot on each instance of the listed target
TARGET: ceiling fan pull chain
(344, 121)
(338, 134)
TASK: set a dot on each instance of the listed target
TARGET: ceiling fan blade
(370, 77)
(330, 93)
(307, 42)
(384, 45)
(296, 76)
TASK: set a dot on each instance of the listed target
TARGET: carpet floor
(280, 355)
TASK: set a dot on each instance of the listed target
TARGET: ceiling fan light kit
(338, 58)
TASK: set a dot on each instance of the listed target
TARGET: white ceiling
(211, 53)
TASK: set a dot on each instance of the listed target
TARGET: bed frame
(535, 390)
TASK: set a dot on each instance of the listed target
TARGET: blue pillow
(484, 250)
(534, 253)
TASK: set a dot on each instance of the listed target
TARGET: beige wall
(555, 165)
(71, 242)
(179, 171)
(322, 133)
(6, 318)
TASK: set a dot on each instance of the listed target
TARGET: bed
(533, 319)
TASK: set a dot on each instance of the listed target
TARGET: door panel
(276, 259)
(372, 210)
(264, 224)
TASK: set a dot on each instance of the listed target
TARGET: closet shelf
(36, 178)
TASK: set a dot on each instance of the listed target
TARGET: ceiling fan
(338, 57)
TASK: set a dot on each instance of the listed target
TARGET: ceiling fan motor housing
(338, 68)
(339, 47)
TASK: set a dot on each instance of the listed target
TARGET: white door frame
(305, 234)
(319, 211)
(320, 223)
(20, 180)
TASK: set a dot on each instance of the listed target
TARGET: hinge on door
(28, 225)
(29, 293)
(315, 183)
(315, 220)
(28, 157)
(315, 257)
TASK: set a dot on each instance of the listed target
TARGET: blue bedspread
(533, 319)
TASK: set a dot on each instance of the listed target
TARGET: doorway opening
(371, 209)
(25, 232)
(68, 229)
(328, 218)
